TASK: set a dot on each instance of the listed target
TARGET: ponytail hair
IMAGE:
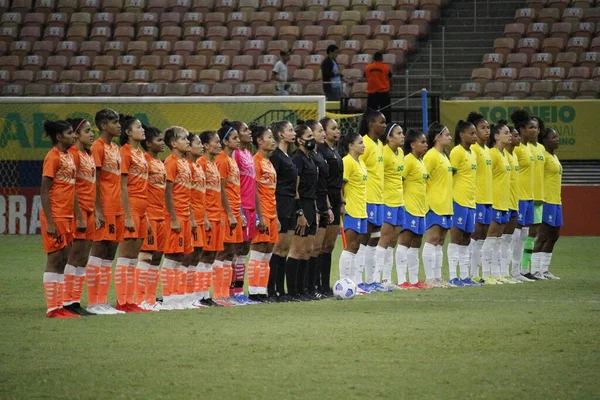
(461, 126)
(348, 139)
(150, 132)
(367, 119)
(325, 121)
(475, 118)
(277, 127)
(543, 135)
(257, 132)
(434, 130)
(411, 136)
(494, 130)
(126, 122)
(226, 129)
(300, 129)
(206, 136)
(520, 118)
(54, 128)
(76, 123)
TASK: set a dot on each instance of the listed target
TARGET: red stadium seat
(233, 76)
(23, 77)
(207, 48)
(284, 19)
(257, 76)
(244, 89)
(242, 63)
(374, 19)
(410, 33)
(313, 33)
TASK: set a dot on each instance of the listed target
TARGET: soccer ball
(344, 289)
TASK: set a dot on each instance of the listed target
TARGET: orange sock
(69, 284)
(182, 280)
(141, 281)
(50, 290)
(176, 281)
(198, 276)
(151, 284)
(78, 286)
(217, 279)
(104, 281)
(168, 277)
(265, 271)
(131, 281)
(121, 280)
(206, 278)
(252, 276)
(227, 278)
(190, 280)
(92, 273)
(60, 290)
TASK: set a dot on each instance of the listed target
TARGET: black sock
(313, 272)
(325, 271)
(280, 278)
(273, 264)
(301, 278)
(291, 276)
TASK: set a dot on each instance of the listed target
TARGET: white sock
(464, 261)
(487, 255)
(345, 265)
(207, 268)
(412, 259)
(524, 236)
(546, 259)
(257, 256)
(388, 264)
(453, 255)
(370, 264)
(515, 251)
(401, 263)
(360, 264)
(536, 262)
(476, 246)
(429, 260)
(379, 263)
(505, 254)
(496, 259)
(439, 260)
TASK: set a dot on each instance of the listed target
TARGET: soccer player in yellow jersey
(354, 208)
(393, 200)
(464, 166)
(507, 237)
(499, 138)
(415, 204)
(549, 230)
(539, 154)
(483, 192)
(439, 203)
(528, 129)
(372, 126)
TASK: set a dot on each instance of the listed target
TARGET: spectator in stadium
(280, 73)
(332, 77)
(378, 76)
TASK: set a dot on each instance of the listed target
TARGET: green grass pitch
(531, 341)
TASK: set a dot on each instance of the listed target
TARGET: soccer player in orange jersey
(181, 219)
(267, 233)
(213, 227)
(152, 248)
(233, 234)
(108, 209)
(195, 273)
(134, 184)
(58, 203)
(85, 187)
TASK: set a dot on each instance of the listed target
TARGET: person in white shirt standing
(280, 73)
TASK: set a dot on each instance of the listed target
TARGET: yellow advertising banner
(576, 121)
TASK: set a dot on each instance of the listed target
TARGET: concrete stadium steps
(580, 173)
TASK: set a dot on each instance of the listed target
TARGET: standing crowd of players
(213, 212)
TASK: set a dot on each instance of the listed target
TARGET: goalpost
(23, 144)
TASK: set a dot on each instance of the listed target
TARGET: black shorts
(310, 213)
(335, 198)
(286, 213)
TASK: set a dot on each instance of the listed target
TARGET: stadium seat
(102, 34)
(514, 31)
(328, 18)
(372, 46)
(14, 20)
(578, 45)
(96, 76)
(337, 33)
(194, 34)
(45, 6)
(138, 76)
(343, 61)
(589, 88)
(422, 19)
(170, 34)
(566, 60)
(516, 60)
(410, 33)
(538, 30)
(36, 89)
(579, 73)
(592, 15)
(313, 62)
(170, 19)
(589, 60)
(306, 18)
(304, 75)
(176, 89)
(233, 76)
(561, 30)
(314, 34)
(104, 89)
(242, 63)
(567, 89)
(408, 5)
(360, 61)
(284, 19)
(20, 49)
(258, 19)
(530, 74)
(289, 34)
(69, 76)
(57, 63)
(506, 74)
(136, 6)
(186, 76)
(192, 19)
(10, 63)
(392, 61)
(385, 5)
(77, 19)
(582, 3)
(303, 48)
(102, 20)
(129, 89)
(83, 89)
(214, 19)
(572, 15)
(220, 63)
(360, 33)
(321, 46)
(519, 90)
(30, 33)
(231, 48)
(250, 6)
(542, 89)
(210, 76)
(528, 46)
(196, 62)
(353, 75)
(145, 34)
(198, 89)
(22, 77)
(12, 90)
(293, 64)
(157, 6)
(350, 47)
(89, 48)
(116, 76)
(549, 15)
(470, 90)
(399, 48)
(266, 63)
(254, 48)
(495, 89)
(541, 61)
(267, 89)
(374, 19)
(504, 46)
(596, 74)
(350, 18)
(257, 76)
(554, 73)
(150, 63)
(207, 48)
(222, 89)
(126, 20)
(275, 47)
(525, 15)
(241, 34)
(59, 89)
(163, 76)
(173, 62)
(183, 48)
(295, 89)
(481, 75)
(294, 6)
(52, 33)
(33, 63)
(103, 63)
(560, 5)
(114, 48)
(217, 34)
(203, 6)
(313, 89)
(385, 33)
(127, 63)
(316, 5)
(396, 17)
(244, 89)
(361, 6)
(584, 29)
(494, 61)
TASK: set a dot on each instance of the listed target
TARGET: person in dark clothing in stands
(332, 77)
(378, 76)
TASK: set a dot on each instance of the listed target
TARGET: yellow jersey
(483, 191)
(500, 179)
(523, 153)
(539, 154)
(552, 179)
(514, 181)
(373, 159)
(464, 165)
(415, 186)
(439, 183)
(393, 165)
(355, 189)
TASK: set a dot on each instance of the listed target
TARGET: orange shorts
(90, 219)
(214, 237)
(141, 227)
(113, 228)
(156, 240)
(64, 234)
(178, 242)
(235, 235)
(270, 235)
(199, 237)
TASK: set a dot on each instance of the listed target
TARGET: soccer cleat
(245, 299)
(422, 285)
(433, 283)
(61, 313)
(75, 308)
(110, 310)
(442, 282)
(404, 286)
(390, 285)
(197, 303)
(538, 275)
(491, 281)
(123, 307)
(531, 277)
(223, 303)
(151, 307)
(97, 309)
(469, 282)
(255, 298)
(551, 276)
(134, 308)
(456, 283)
(522, 278)
(210, 303)
(478, 279)
(505, 280)
(378, 287)
(363, 288)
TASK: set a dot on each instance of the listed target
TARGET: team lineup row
(212, 203)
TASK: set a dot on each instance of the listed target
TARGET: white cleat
(522, 278)
(551, 276)
(390, 285)
(540, 276)
(150, 307)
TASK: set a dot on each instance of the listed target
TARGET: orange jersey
(107, 158)
(378, 77)
(134, 165)
(214, 206)
(60, 167)
(231, 173)
(178, 172)
(266, 180)
(198, 191)
(157, 180)
(85, 181)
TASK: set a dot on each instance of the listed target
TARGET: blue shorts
(414, 224)
(483, 214)
(552, 215)
(512, 214)
(375, 214)
(358, 225)
(394, 215)
(464, 218)
(500, 217)
(431, 219)
(525, 213)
